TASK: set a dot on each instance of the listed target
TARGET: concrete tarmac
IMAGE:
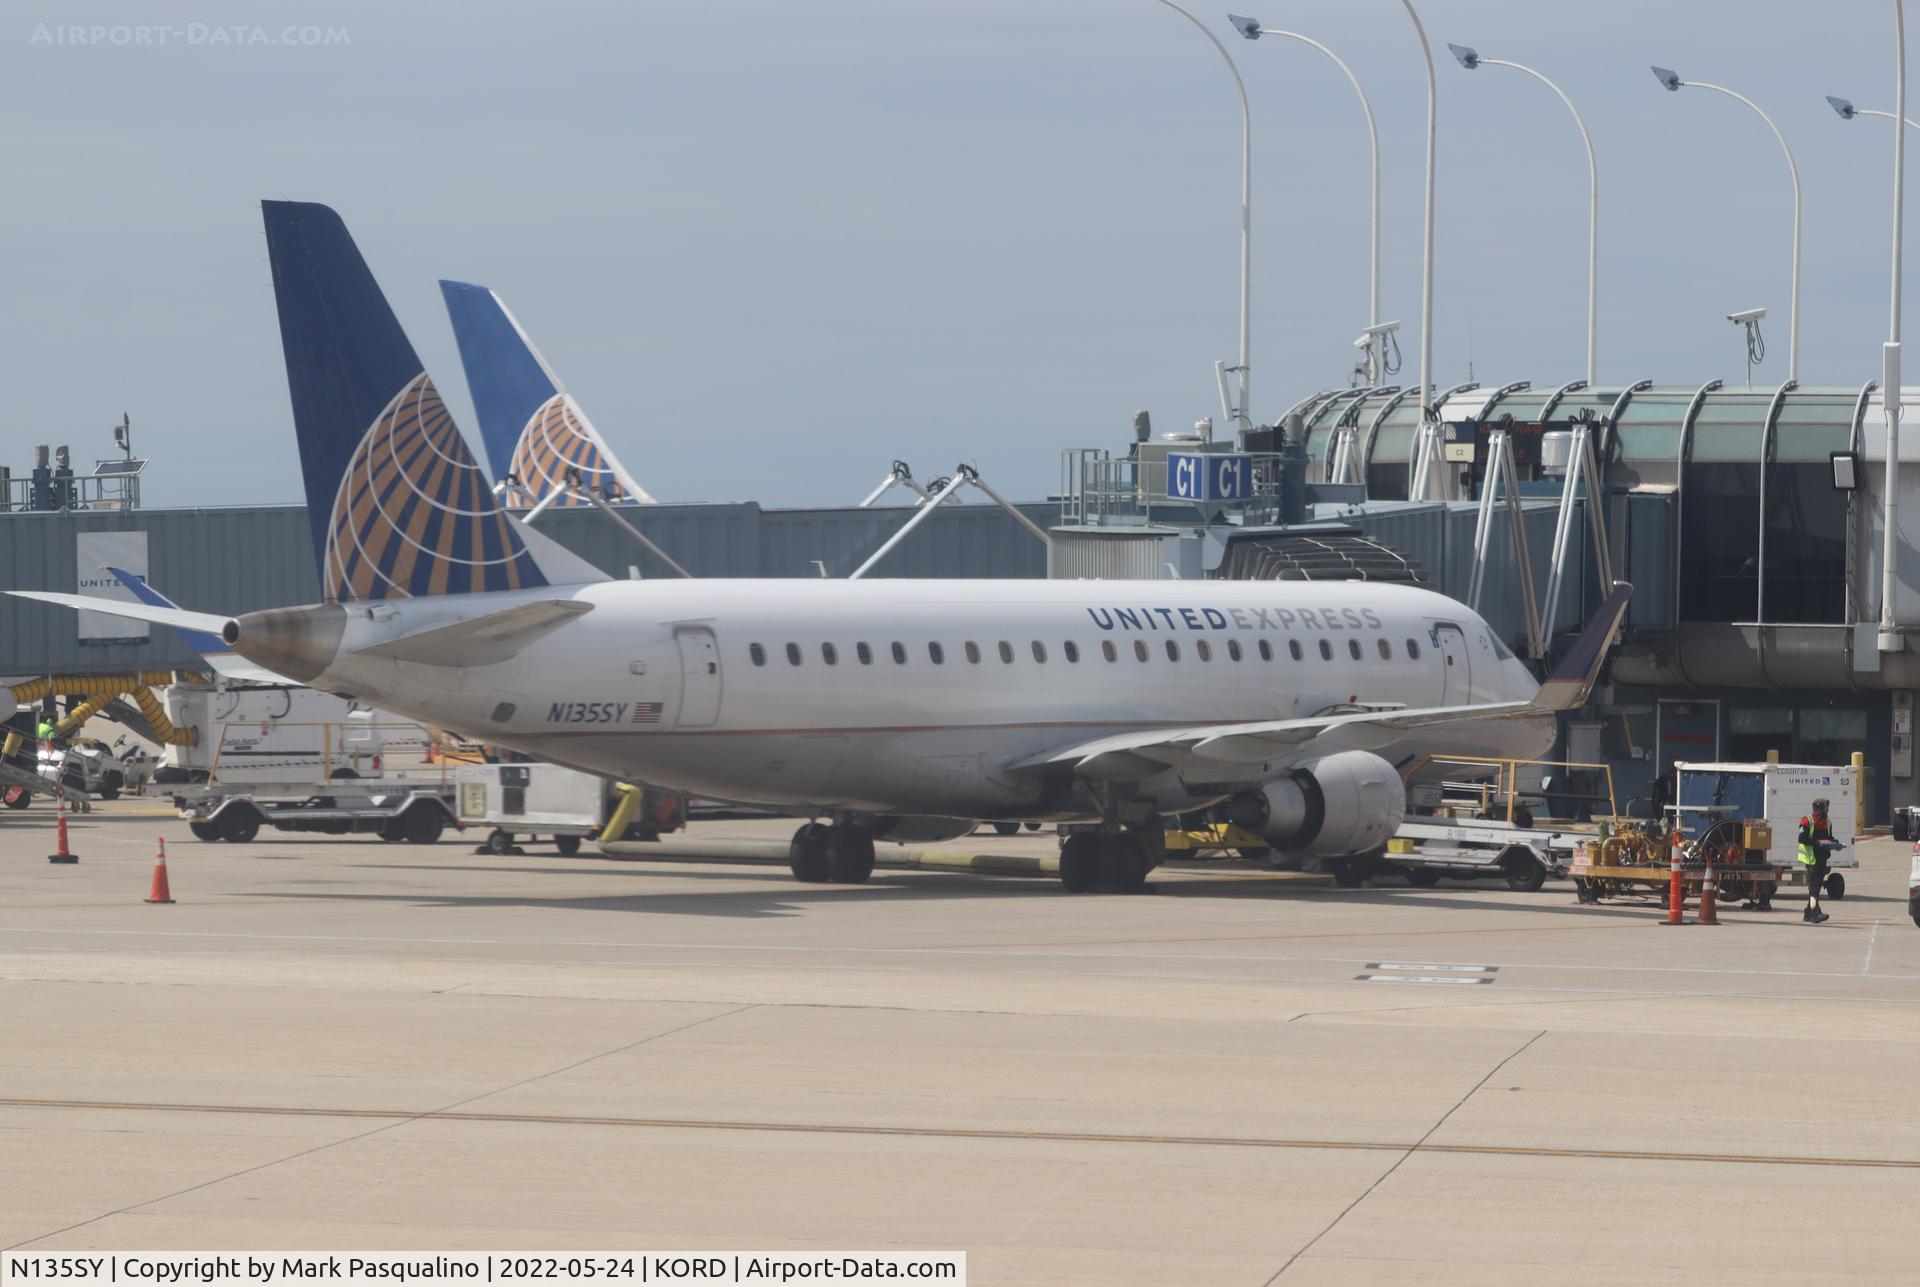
(1242, 1078)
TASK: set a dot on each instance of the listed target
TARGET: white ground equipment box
(1780, 793)
(532, 800)
(266, 734)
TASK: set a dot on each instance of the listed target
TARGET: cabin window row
(1202, 649)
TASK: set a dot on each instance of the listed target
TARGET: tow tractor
(1482, 819)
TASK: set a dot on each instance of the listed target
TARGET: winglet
(1573, 679)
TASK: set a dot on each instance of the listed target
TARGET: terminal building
(1749, 520)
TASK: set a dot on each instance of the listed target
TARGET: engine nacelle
(1334, 807)
(920, 829)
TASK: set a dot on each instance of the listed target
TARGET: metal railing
(71, 492)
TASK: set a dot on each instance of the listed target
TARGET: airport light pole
(1253, 30)
(1889, 638)
(1671, 81)
(1242, 413)
(1470, 59)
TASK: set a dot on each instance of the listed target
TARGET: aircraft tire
(1422, 877)
(567, 845)
(807, 854)
(849, 856)
(1124, 863)
(1080, 863)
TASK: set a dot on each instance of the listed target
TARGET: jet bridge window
(864, 653)
(936, 654)
(1140, 649)
(758, 654)
(973, 652)
(899, 653)
(1203, 649)
(1233, 649)
(793, 654)
(1326, 651)
(1006, 652)
(829, 654)
(1071, 649)
(1039, 651)
(1266, 651)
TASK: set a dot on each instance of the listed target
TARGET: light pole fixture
(1244, 371)
(1471, 59)
(1670, 80)
(1847, 111)
(1252, 30)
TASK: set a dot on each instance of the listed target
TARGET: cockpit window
(1500, 649)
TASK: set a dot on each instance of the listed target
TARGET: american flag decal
(648, 712)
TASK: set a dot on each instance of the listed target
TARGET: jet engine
(1334, 807)
(917, 829)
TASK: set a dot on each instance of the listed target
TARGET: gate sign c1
(1197, 476)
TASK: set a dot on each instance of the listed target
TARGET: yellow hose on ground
(101, 689)
(163, 728)
(108, 686)
(77, 716)
(623, 812)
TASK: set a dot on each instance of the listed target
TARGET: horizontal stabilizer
(481, 641)
(179, 618)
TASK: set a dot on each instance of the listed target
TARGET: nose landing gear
(838, 854)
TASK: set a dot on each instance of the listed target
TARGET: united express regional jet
(882, 709)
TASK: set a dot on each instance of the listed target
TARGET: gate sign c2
(1196, 476)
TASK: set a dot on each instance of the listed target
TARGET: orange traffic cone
(61, 853)
(1709, 914)
(158, 891)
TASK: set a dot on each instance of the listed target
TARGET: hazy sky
(773, 246)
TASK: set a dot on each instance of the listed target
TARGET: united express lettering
(1235, 618)
(587, 712)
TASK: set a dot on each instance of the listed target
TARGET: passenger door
(699, 676)
(1458, 672)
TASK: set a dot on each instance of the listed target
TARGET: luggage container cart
(1487, 818)
(1781, 794)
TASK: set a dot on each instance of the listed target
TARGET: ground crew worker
(1816, 842)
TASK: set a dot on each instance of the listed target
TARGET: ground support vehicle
(394, 811)
(1480, 818)
(1779, 794)
(534, 800)
(1427, 848)
(1632, 857)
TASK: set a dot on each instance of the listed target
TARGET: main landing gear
(831, 855)
(1113, 862)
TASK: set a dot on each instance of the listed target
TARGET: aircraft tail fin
(399, 508)
(533, 429)
(1567, 688)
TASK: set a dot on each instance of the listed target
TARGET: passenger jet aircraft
(893, 709)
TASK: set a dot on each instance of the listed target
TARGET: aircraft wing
(1143, 754)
